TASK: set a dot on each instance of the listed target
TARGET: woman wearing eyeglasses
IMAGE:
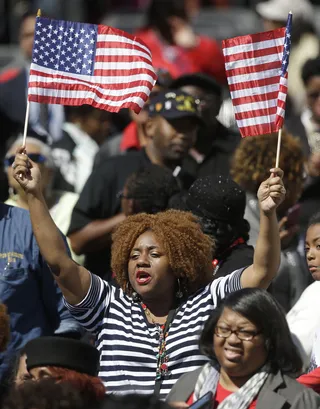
(60, 203)
(253, 360)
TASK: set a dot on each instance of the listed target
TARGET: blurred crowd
(158, 256)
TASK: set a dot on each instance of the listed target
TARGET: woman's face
(149, 270)
(312, 247)
(42, 372)
(239, 358)
(22, 374)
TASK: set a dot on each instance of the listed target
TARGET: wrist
(268, 213)
(37, 194)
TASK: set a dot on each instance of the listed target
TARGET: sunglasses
(35, 157)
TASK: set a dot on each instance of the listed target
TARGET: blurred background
(215, 18)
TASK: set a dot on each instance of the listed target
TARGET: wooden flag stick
(26, 121)
(278, 147)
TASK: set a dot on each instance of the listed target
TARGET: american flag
(257, 72)
(76, 63)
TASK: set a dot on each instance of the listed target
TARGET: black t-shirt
(62, 152)
(100, 199)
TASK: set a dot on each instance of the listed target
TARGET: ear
(150, 128)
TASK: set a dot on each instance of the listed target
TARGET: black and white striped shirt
(128, 343)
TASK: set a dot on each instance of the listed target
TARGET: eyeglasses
(35, 157)
(223, 332)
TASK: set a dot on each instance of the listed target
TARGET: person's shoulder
(299, 395)
(9, 75)
(184, 386)
(65, 142)
(66, 198)
(121, 162)
(208, 41)
(312, 290)
(13, 212)
(15, 222)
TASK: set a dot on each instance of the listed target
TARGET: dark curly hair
(45, 394)
(255, 156)
(188, 249)
(310, 69)
(151, 188)
(159, 13)
(259, 307)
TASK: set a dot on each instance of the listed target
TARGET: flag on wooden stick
(257, 73)
(76, 63)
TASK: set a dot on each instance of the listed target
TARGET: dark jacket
(219, 152)
(27, 287)
(279, 392)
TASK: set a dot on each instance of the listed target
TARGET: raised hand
(26, 172)
(272, 192)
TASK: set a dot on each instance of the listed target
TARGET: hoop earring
(129, 291)
(179, 293)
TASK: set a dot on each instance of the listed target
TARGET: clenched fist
(272, 192)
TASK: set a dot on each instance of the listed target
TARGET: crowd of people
(157, 259)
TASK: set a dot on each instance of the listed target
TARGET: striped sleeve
(93, 308)
(223, 286)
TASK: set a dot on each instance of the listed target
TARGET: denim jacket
(27, 287)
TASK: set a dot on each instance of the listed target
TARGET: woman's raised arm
(268, 248)
(73, 280)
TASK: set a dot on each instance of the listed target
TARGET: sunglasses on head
(35, 157)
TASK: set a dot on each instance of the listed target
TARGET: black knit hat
(64, 353)
(217, 198)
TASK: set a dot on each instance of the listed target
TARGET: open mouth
(143, 278)
(232, 355)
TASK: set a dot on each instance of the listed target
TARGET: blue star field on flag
(65, 46)
(286, 47)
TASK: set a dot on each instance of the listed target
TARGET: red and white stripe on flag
(76, 63)
(258, 90)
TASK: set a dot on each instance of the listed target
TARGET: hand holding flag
(257, 73)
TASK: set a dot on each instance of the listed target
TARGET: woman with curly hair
(147, 330)
(251, 159)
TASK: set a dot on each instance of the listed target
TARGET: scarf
(208, 381)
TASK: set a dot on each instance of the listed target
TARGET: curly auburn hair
(255, 156)
(91, 386)
(188, 249)
(4, 328)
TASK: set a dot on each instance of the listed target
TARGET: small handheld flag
(257, 72)
(76, 63)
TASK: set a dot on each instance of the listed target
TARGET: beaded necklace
(162, 357)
